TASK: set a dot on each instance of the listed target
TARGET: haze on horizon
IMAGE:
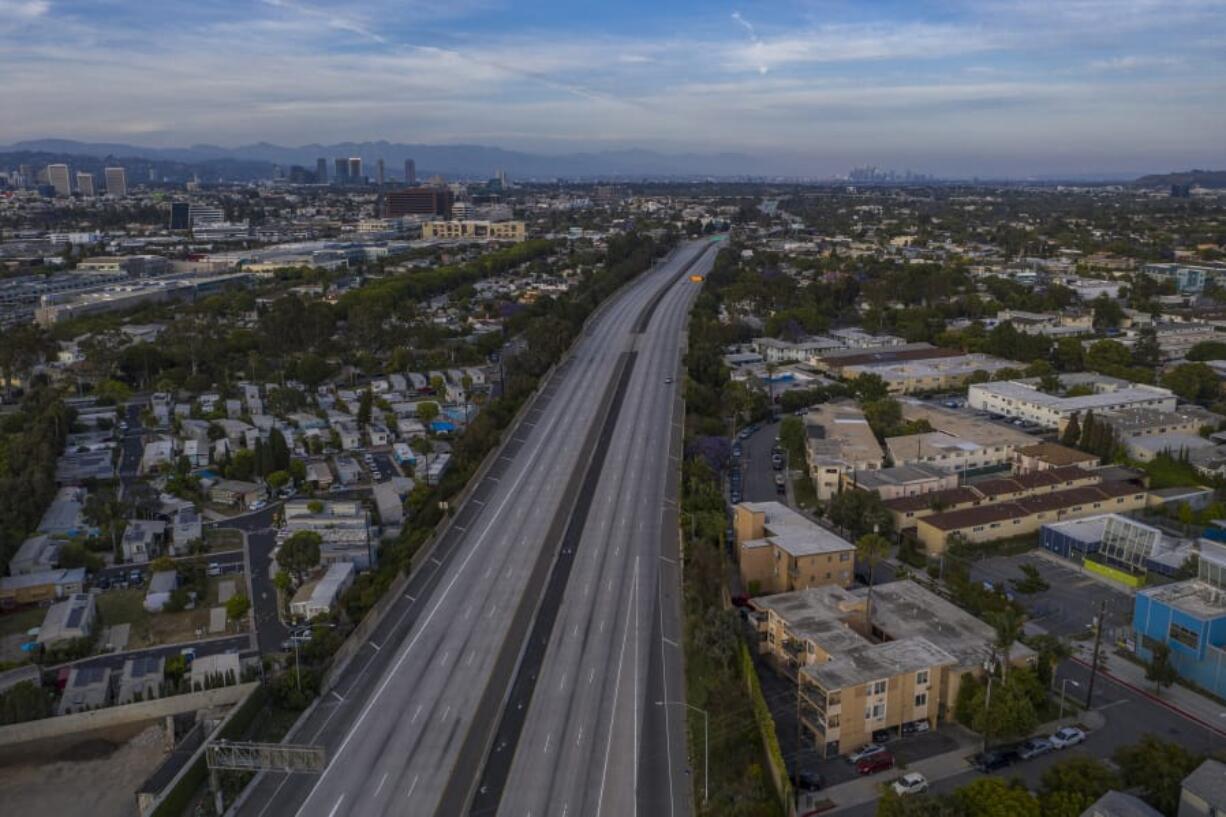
(1004, 87)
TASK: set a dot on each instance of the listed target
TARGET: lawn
(18, 622)
(221, 539)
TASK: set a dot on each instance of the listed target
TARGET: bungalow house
(236, 493)
(36, 554)
(142, 539)
(68, 620)
(88, 687)
(161, 585)
(40, 588)
(141, 679)
(316, 598)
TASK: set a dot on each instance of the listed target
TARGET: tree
(162, 564)
(1050, 383)
(1010, 714)
(1192, 381)
(1052, 650)
(860, 512)
(871, 550)
(1146, 351)
(993, 797)
(1008, 626)
(1160, 670)
(1071, 786)
(1032, 581)
(869, 387)
(237, 607)
(1105, 355)
(427, 412)
(1072, 432)
(884, 416)
(1108, 314)
(1156, 767)
(298, 471)
(26, 701)
(365, 404)
(277, 480)
(300, 553)
(284, 585)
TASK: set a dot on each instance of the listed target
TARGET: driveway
(1071, 601)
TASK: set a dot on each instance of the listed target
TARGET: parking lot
(1072, 599)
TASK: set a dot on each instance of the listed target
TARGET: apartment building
(902, 480)
(474, 230)
(342, 525)
(858, 676)
(1045, 456)
(938, 374)
(838, 440)
(1022, 399)
(779, 550)
(1143, 422)
(959, 441)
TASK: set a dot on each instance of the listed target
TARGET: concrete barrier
(112, 716)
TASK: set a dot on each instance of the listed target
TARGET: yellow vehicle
(696, 279)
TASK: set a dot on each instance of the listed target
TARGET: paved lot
(1069, 605)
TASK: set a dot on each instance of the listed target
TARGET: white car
(910, 783)
(865, 751)
(1067, 736)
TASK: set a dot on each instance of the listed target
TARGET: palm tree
(1008, 625)
(871, 549)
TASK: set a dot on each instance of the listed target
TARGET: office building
(379, 172)
(410, 172)
(85, 184)
(340, 169)
(418, 201)
(321, 171)
(474, 230)
(1023, 399)
(1188, 279)
(180, 215)
(116, 181)
(779, 550)
(202, 215)
(1190, 618)
(355, 170)
(57, 177)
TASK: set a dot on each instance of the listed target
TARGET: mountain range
(451, 161)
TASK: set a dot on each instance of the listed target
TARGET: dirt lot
(148, 629)
(98, 776)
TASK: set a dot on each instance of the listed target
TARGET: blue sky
(1000, 86)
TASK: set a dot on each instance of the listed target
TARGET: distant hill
(451, 161)
(138, 166)
(1203, 178)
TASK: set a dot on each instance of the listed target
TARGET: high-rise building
(57, 177)
(85, 183)
(418, 201)
(379, 172)
(355, 169)
(321, 171)
(180, 215)
(410, 172)
(116, 181)
(153, 174)
(341, 166)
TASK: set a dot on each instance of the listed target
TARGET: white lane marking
(382, 780)
(579, 738)
(410, 598)
(493, 609)
(376, 646)
(548, 738)
(412, 786)
(668, 743)
(446, 712)
(562, 683)
(468, 612)
(415, 714)
(337, 696)
(591, 676)
(669, 642)
(446, 655)
(339, 800)
(435, 560)
(471, 655)
(613, 711)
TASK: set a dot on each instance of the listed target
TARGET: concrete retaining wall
(121, 715)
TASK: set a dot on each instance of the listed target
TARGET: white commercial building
(1022, 399)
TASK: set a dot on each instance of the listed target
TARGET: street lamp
(706, 743)
(1064, 685)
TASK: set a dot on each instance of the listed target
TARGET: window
(1186, 637)
(875, 688)
(921, 700)
(832, 721)
(921, 677)
(875, 712)
(844, 556)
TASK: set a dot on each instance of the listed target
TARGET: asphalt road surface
(413, 703)
(582, 747)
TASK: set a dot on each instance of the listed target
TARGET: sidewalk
(939, 767)
(1178, 699)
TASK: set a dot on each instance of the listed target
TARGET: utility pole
(1098, 637)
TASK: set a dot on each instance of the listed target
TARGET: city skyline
(1000, 88)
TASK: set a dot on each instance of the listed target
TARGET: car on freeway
(865, 751)
(991, 761)
(667, 380)
(1035, 747)
(878, 762)
(910, 783)
(1067, 736)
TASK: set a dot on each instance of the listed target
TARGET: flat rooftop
(1025, 391)
(1196, 597)
(839, 432)
(799, 536)
(876, 662)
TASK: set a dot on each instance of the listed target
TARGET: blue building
(1189, 617)
(1188, 279)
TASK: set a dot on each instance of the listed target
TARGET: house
(319, 597)
(36, 554)
(319, 474)
(379, 435)
(1120, 804)
(142, 539)
(858, 676)
(220, 669)
(186, 527)
(779, 550)
(1204, 791)
(1043, 456)
(88, 687)
(236, 493)
(40, 588)
(389, 504)
(68, 620)
(66, 514)
(161, 585)
(141, 679)
(348, 472)
(157, 453)
(1190, 618)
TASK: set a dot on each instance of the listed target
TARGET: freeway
(401, 723)
(593, 723)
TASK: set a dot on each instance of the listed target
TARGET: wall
(119, 715)
(1112, 573)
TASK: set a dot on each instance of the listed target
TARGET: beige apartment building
(839, 441)
(858, 677)
(474, 230)
(779, 550)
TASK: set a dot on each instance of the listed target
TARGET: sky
(996, 87)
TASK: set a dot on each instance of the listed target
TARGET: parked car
(991, 761)
(865, 751)
(808, 781)
(874, 763)
(914, 727)
(258, 505)
(910, 783)
(214, 569)
(1067, 736)
(883, 736)
(136, 577)
(1034, 748)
